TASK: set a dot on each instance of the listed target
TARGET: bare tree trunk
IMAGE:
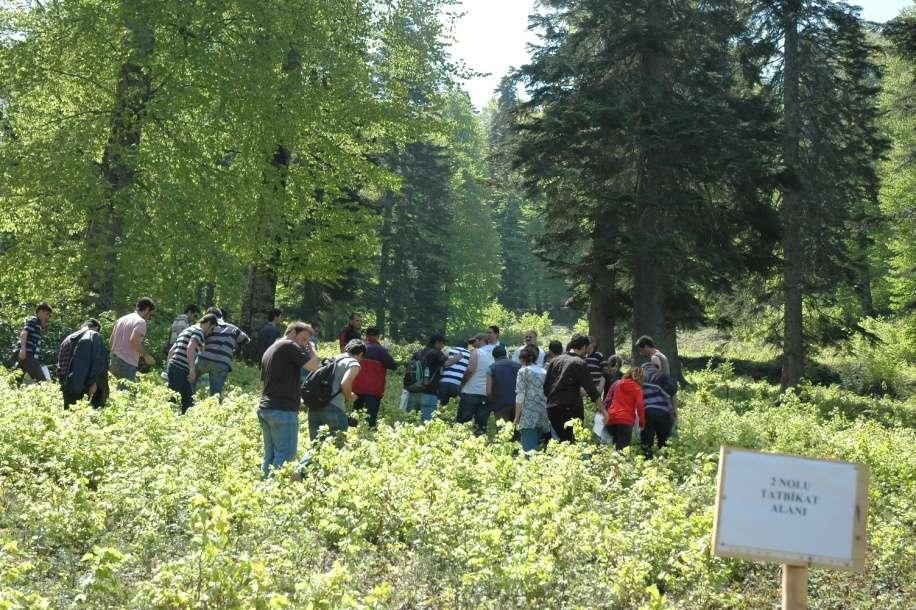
(385, 269)
(118, 167)
(793, 359)
(261, 290)
(668, 345)
(648, 313)
(602, 312)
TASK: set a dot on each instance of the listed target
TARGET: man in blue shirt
(501, 384)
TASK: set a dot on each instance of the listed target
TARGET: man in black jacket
(87, 371)
(567, 376)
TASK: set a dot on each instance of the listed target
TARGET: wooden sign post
(801, 512)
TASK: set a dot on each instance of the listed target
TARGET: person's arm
(136, 342)
(23, 343)
(241, 338)
(312, 362)
(346, 384)
(521, 389)
(388, 360)
(641, 408)
(586, 381)
(193, 348)
(454, 359)
(98, 363)
(489, 384)
(472, 368)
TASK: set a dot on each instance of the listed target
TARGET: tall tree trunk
(668, 345)
(601, 306)
(260, 295)
(118, 167)
(385, 268)
(793, 358)
(261, 290)
(648, 311)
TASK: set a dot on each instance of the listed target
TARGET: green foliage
(512, 325)
(135, 506)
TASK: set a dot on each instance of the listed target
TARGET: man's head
(436, 340)
(528, 355)
(481, 340)
(356, 321)
(216, 311)
(208, 323)
(645, 345)
(145, 307)
(43, 311)
(299, 333)
(531, 337)
(373, 332)
(356, 349)
(492, 334)
(191, 312)
(92, 324)
(578, 345)
(554, 349)
(499, 352)
(276, 316)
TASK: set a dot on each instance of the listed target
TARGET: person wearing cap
(473, 402)
(501, 385)
(369, 385)
(82, 364)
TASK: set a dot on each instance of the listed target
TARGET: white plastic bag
(600, 430)
(405, 400)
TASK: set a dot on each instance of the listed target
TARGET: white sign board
(790, 509)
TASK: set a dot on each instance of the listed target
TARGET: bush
(135, 506)
(512, 326)
(884, 367)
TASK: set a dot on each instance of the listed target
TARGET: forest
(735, 178)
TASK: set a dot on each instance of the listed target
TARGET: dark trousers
(658, 426)
(561, 414)
(504, 413)
(178, 381)
(622, 434)
(371, 404)
(33, 367)
(473, 407)
(447, 391)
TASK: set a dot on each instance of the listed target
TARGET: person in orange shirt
(625, 407)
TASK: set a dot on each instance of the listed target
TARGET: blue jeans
(280, 430)
(474, 406)
(531, 439)
(178, 381)
(216, 372)
(329, 416)
(447, 391)
(371, 404)
(121, 369)
(428, 404)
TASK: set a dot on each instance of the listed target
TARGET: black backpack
(418, 377)
(318, 388)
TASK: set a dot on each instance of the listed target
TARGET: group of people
(539, 391)
(198, 346)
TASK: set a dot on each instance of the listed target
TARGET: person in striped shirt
(220, 347)
(453, 375)
(181, 368)
(29, 347)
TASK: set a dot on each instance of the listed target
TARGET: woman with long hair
(625, 407)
